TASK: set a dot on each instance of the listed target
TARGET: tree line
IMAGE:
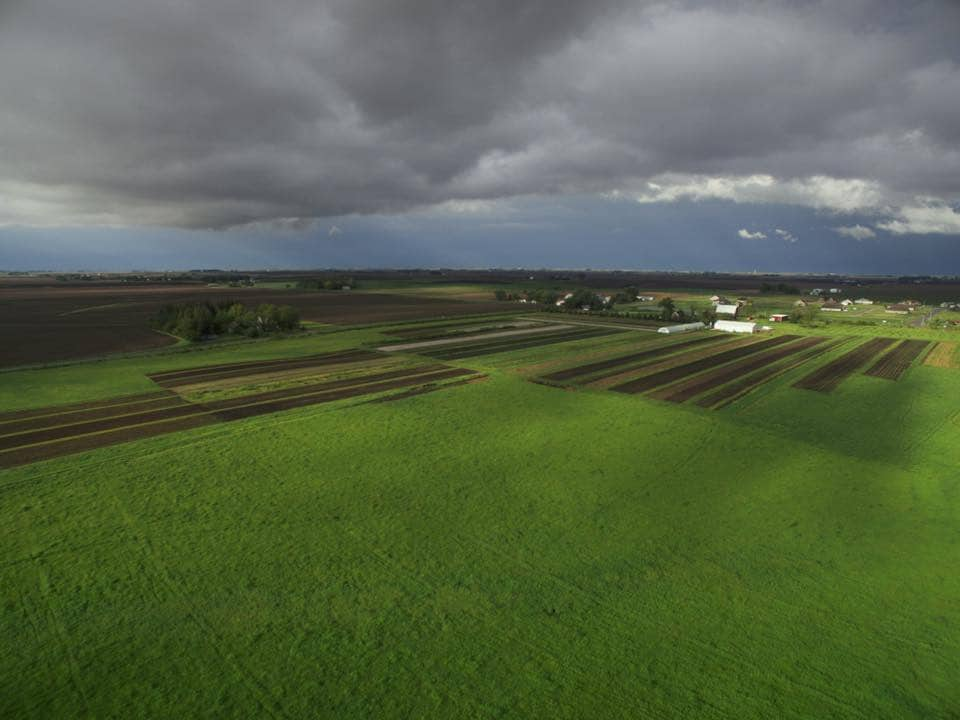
(196, 321)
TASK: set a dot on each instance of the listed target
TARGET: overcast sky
(809, 136)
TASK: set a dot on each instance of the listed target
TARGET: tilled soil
(684, 390)
(590, 368)
(896, 362)
(829, 376)
(648, 382)
(735, 390)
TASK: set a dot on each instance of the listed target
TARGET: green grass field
(499, 549)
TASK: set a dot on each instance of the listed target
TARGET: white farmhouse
(730, 310)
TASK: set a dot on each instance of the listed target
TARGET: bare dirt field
(57, 322)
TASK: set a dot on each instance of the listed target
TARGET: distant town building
(832, 306)
(899, 309)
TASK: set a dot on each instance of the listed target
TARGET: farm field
(56, 323)
(306, 526)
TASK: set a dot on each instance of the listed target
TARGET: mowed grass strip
(669, 375)
(896, 362)
(733, 391)
(21, 415)
(828, 377)
(200, 374)
(615, 362)
(687, 389)
(523, 344)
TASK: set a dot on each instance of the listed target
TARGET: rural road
(924, 319)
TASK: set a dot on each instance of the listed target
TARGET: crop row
(475, 349)
(828, 377)
(26, 442)
(896, 362)
(691, 387)
(738, 388)
(616, 362)
(672, 374)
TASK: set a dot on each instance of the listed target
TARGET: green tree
(667, 307)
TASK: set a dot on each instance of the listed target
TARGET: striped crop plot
(687, 389)
(943, 355)
(620, 361)
(896, 362)
(736, 389)
(519, 341)
(828, 377)
(27, 437)
(192, 376)
(683, 370)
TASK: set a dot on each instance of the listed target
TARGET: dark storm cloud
(224, 112)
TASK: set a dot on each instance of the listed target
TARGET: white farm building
(735, 326)
(686, 327)
(730, 310)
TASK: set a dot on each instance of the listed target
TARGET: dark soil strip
(78, 407)
(684, 390)
(317, 398)
(95, 426)
(523, 335)
(285, 393)
(466, 323)
(35, 453)
(54, 430)
(658, 351)
(649, 382)
(896, 362)
(80, 416)
(202, 374)
(735, 390)
(829, 376)
(424, 389)
(523, 344)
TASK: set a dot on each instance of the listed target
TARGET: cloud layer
(238, 112)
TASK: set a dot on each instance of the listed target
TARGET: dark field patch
(190, 376)
(896, 362)
(684, 390)
(58, 322)
(648, 382)
(509, 345)
(659, 351)
(735, 390)
(829, 376)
